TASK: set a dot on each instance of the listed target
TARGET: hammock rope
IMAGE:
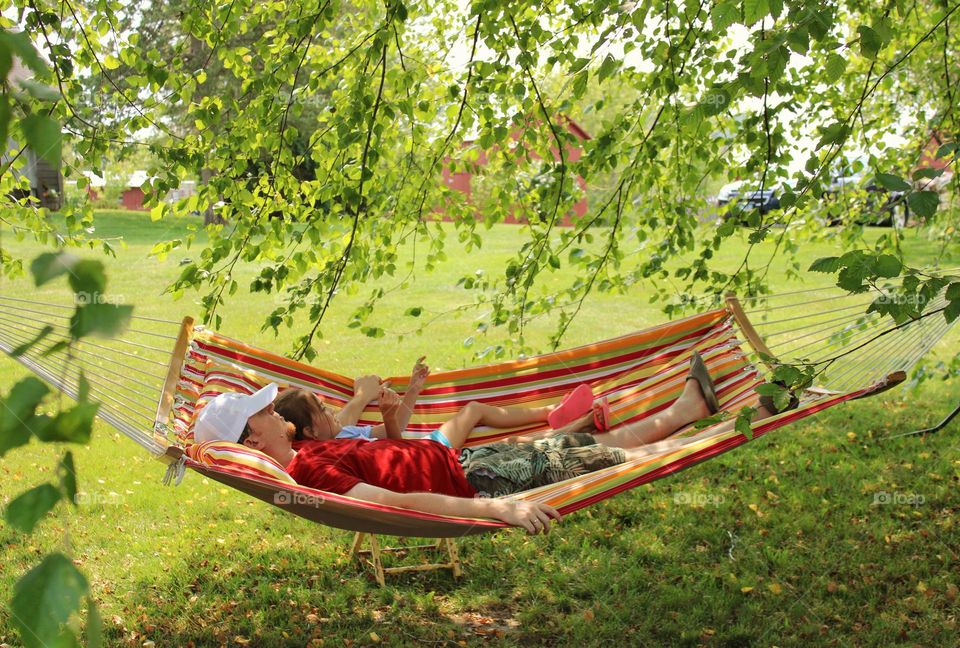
(640, 374)
(119, 381)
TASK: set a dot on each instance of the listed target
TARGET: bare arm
(390, 407)
(365, 389)
(417, 377)
(532, 516)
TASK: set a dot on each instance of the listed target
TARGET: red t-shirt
(399, 465)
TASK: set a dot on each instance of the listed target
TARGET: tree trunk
(209, 216)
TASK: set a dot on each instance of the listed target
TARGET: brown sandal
(698, 372)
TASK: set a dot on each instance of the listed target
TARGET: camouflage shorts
(502, 469)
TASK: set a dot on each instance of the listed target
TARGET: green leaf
(607, 67)
(888, 266)
(73, 425)
(947, 149)
(892, 182)
(754, 10)
(952, 311)
(924, 203)
(832, 134)
(953, 291)
(68, 477)
(835, 67)
(798, 38)
(743, 422)
(851, 278)
(43, 136)
(45, 598)
(870, 42)
(6, 59)
(724, 14)
(922, 174)
(825, 264)
(100, 320)
(22, 46)
(779, 394)
(414, 312)
(26, 346)
(17, 412)
(88, 280)
(25, 511)
(373, 331)
(51, 265)
(580, 83)
(41, 91)
(715, 101)
(787, 374)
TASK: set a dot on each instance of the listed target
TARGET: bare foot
(691, 403)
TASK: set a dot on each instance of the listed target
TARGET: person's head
(309, 414)
(250, 420)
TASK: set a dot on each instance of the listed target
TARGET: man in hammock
(416, 474)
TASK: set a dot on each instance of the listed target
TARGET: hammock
(640, 374)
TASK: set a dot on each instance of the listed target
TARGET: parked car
(876, 205)
(765, 200)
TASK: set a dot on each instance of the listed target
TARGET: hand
(389, 402)
(366, 386)
(532, 516)
(419, 375)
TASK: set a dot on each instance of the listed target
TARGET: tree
(718, 90)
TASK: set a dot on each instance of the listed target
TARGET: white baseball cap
(224, 417)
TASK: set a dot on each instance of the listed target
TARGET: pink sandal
(601, 415)
(571, 407)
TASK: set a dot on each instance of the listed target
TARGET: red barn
(461, 180)
(132, 196)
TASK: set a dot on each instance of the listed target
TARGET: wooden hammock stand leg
(375, 551)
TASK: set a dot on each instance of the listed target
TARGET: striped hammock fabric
(640, 374)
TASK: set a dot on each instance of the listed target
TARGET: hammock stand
(640, 374)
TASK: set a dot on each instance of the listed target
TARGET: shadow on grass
(787, 541)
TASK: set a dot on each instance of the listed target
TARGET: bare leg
(473, 414)
(647, 451)
(688, 408)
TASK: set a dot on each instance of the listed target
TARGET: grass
(820, 533)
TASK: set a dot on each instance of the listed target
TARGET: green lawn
(821, 533)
